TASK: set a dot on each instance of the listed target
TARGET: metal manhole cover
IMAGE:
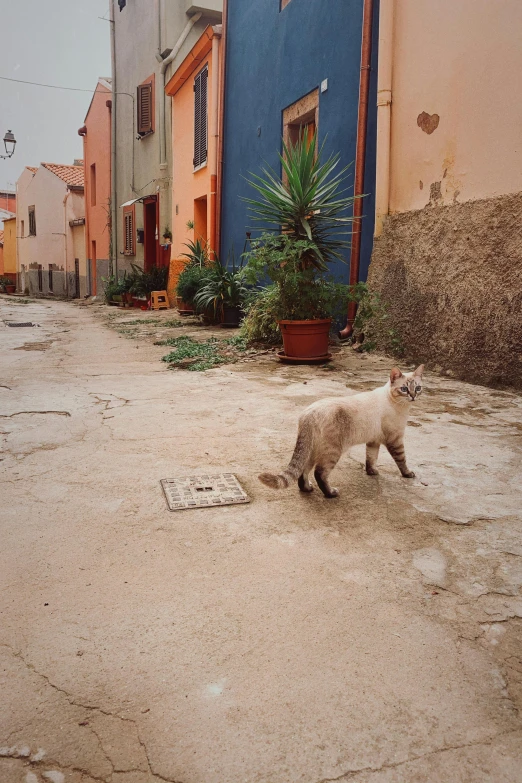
(203, 491)
(11, 323)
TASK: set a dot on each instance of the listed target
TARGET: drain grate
(26, 324)
(203, 491)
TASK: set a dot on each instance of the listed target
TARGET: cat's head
(406, 386)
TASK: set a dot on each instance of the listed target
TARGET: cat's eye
(404, 388)
(418, 388)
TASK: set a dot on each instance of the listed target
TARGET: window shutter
(200, 117)
(128, 233)
(145, 109)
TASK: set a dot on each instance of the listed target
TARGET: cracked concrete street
(375, 638)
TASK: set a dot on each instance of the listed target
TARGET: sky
(60, 42)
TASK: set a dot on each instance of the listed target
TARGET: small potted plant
(144, 283)
(224, 294)
(312, 213)
(7, 285)
(193, 276)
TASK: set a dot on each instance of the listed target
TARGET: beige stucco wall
(53, 244)
(461, 60)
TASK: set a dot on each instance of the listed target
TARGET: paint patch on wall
(428, 122)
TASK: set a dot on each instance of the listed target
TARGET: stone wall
(451, 277)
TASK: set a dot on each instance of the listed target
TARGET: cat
(330, 427)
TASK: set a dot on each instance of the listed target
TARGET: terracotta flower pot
(183, 307)
(305, 339)
(10, 289)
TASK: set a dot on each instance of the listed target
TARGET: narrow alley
(374, 638)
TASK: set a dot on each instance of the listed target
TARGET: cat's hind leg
(396, 449)
(372, 453)
(321, 473)
(303, 483)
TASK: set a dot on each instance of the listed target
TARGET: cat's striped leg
(321, 474)
(396, 449)
(303, 483)
(372, 453)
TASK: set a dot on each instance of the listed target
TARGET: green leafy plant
(307, 203)
(260, 322)
(190, 281)
(223, 288)
(197, 252)
(167, 233)
(143, 283)
(112, 286)
(204, 353)
(5, 281)
(371, 328)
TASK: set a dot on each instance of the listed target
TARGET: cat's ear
(419, 371)
(395, 374)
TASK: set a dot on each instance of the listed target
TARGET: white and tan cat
(330, 427)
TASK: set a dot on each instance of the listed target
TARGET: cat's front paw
(409, 474)
(371, 471)
(334, 493)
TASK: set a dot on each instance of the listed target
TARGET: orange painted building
(194, 89)
(96, 135)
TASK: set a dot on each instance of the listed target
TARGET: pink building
(96, 134)
(50, 226)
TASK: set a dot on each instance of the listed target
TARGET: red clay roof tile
(71, 175)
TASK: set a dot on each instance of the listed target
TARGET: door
(151, 232)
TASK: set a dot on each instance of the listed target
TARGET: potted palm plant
(224, 294)
(192, 276)
(310, 212)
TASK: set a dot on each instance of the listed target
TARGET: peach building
(1, 252)
(50, 226)
(447, 255)
(96, 134)
(8, 250)
(194, 89)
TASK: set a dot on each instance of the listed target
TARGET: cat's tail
(299, 459)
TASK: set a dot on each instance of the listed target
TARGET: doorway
(200, 220)
(151, 232)
(77, 278)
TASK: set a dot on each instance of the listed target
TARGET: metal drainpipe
(214, 135)
(114, 114)
(65, 200)
(384, 103)
(360, 158)
(221, 126)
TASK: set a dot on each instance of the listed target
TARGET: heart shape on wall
(428, 122)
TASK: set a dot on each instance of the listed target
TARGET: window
(93, 185)
(128, 231)
(51, 278)
(32, 222)
(146, 107)
(200, 118)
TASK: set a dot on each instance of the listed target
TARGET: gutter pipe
(221, 128)
(384, 103)
(214, 135)
(360, 159)
(114, 115)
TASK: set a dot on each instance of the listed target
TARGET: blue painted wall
(274, 58)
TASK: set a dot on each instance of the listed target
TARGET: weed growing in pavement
(238, 342)
(170, 324)
(205, 353)
(10, 300)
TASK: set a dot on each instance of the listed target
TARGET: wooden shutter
(145, 109)
(200, 117)
(128, 232)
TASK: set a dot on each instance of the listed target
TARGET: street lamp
(9, 144)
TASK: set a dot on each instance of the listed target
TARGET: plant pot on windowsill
(305, 340)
